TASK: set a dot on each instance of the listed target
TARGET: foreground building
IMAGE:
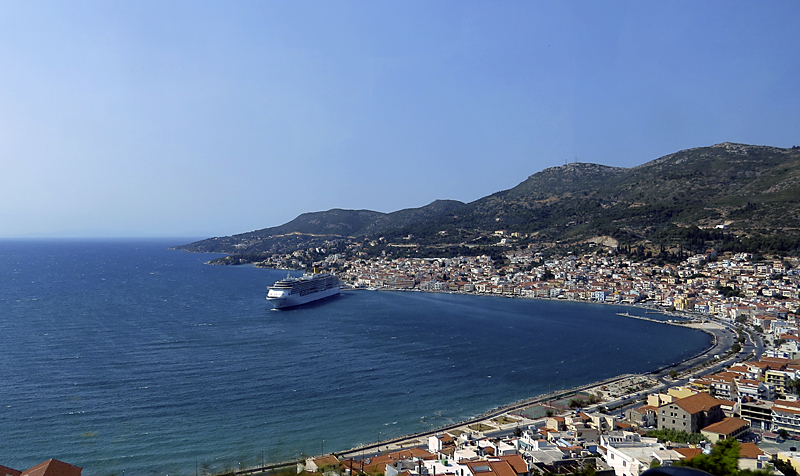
(51, 467)
(690, 414)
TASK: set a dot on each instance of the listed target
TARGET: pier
(660, 321)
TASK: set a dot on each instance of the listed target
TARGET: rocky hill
(750, 192)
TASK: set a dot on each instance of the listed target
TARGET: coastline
(693, 364)
(407, 441)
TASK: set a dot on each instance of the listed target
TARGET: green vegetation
(665, 210)
(504, 420)
(723, 461)
(673, 374)
(577, 403)
(728, 291)
(676, 436)
(784, 467)
(481, 427)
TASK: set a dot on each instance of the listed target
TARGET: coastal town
(741, 394)
(730, 286)
(745, 389)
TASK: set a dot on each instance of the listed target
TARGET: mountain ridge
(746, 189)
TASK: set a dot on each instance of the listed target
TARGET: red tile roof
(517, 463)
(53, 467)
(6, 471)
(688, 453)
(697, 403)
(749, 450)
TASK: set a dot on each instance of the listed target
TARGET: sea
(126, 357)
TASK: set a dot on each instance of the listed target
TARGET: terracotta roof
(517, 463)
(415, 452)
(324, 461)
(787, 404)
(726, 426)
(688, 453)
(502, 468)
(749, 450)
(53, 467)
(6, 471)
(697, 403)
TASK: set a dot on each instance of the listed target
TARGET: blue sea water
(122, 355)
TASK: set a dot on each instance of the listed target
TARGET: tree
(784, 467)
(676, 436)
(723, 460)
(577, 403)
(793, 386)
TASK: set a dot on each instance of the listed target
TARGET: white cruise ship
(290, 291)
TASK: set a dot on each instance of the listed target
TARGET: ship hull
(292, 301)
(292, 292)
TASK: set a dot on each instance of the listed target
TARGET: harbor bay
(126, 356)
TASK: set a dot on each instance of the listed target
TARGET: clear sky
(200, 118)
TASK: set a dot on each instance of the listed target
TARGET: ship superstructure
(291, 291)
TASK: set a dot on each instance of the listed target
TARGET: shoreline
(687, 366)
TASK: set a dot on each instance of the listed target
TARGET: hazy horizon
(145, 119)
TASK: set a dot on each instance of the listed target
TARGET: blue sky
(198, 118)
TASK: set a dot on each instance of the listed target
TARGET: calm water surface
(126, 356)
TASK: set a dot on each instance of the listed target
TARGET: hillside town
(748, 398)
(751, 398)
(734, 287)
(752, 406)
